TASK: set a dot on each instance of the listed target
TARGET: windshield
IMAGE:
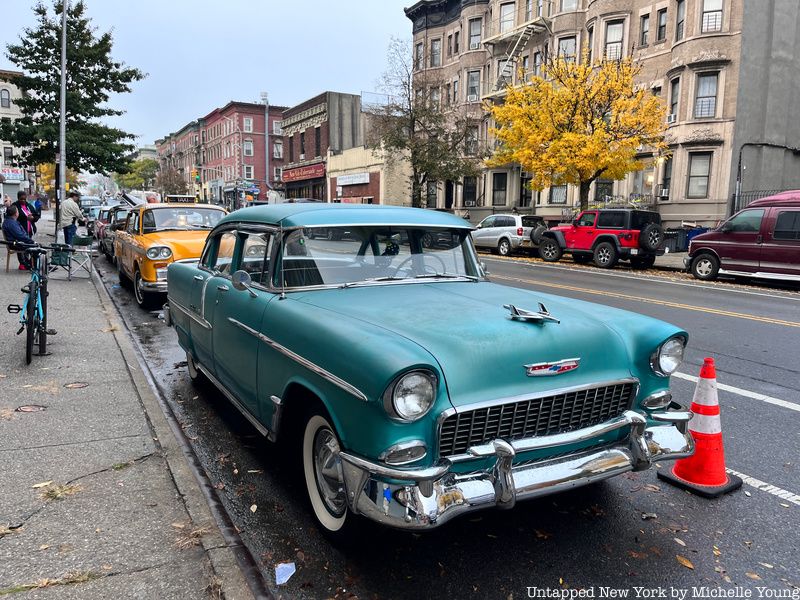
(159, 219)
(363, 255)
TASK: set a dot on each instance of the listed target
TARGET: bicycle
(33, 318)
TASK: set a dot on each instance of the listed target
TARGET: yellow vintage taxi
(155, 235)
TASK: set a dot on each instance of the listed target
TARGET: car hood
(481, 351)
(184, 244)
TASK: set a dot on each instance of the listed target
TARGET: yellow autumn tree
(578, 122)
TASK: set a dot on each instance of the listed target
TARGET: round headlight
(159, 252)
(412, 395)
(670, 356)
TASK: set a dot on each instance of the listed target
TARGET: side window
(148, 221)
(787, 227)
(611, 220)
(587, 219)
(747, 221)
(256, 251)
(223, 257)
(488, 222)
(133, 223)
(505, 221)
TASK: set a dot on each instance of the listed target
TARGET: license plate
(634, 251)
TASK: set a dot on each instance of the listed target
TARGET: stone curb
(233, 584)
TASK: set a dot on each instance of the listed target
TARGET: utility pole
(62, 128)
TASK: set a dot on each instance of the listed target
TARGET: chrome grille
(567, 411)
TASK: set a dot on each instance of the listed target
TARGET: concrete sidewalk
(97, 498)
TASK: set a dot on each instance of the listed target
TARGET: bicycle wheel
(31, 321)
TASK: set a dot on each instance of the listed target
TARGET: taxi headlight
(411, 396)
(159, 252)
(668, 357)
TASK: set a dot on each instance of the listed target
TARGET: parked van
(762, 241)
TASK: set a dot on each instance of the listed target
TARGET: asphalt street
(633, 530)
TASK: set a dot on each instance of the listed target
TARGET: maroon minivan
(762, 241)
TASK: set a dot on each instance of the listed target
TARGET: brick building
(727, 70)
(13, 175)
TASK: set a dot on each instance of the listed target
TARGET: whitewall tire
(323, 474)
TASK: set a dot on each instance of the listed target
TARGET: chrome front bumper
(159, 286)
(426, 498)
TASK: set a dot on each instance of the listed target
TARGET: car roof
(327, 214)
(790, 198)
(177, 205)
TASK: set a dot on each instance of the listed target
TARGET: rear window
(531, 221)
(787, 227)
(611, 220)
(641, 218)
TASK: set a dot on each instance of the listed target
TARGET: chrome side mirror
(241, 281)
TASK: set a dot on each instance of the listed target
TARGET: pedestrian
(71, 216)
(26, 216)
(14, 232)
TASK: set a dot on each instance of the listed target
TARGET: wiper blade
(371, 280)
(445, 276)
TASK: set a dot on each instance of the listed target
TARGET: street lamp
(738, 189)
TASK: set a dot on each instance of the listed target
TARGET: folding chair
(82, 257)
(10, 251)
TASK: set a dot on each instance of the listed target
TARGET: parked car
(411, 389)
(761, 241)
(156, 235)
(86, 202)
(607, 236)
(91, 217)
(107, 232)
(505, 233)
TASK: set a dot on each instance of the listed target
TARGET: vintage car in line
(153, 237)
(410, 388)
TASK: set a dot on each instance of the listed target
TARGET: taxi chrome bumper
(153, 286)
(428, 497)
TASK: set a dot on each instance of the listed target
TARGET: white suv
(507, 232)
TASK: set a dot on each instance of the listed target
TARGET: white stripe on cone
(705, 424)
(706, 392)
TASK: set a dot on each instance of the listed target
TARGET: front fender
(558, 236)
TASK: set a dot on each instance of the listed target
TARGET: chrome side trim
(239, 406)
(337, 381)
(189, 313)
(277, 404)
(761, 275)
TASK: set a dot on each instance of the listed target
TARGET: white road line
(766, 487)
(653, 278)
(745, 393)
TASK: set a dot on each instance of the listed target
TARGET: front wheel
(145, 300)
(31, 321)
(503, 247)
(705, 266)
(549, 250)
(322, 468)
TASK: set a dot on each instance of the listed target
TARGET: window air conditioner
(474, 45)
(472, 98)
(671, 119)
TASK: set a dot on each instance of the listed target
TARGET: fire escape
(508, 46)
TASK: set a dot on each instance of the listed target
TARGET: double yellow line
(704, 309)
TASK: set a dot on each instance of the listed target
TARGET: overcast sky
(200, 54)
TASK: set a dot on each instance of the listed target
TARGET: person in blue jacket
(13, 232)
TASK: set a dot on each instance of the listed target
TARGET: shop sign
(301, 173)
(354, 179)
(12, 174)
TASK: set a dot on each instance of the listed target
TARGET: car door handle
(198, 278)
(223, 288)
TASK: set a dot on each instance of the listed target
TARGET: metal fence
(746, 198)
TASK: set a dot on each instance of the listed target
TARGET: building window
(471, 140)
(5, 99)
(589, 44)
(569, 5)
(430, 200)
(558, 194)
(302, 145)
(8, 156)
(645, 30)
(499, 188)
(643, 182)
(680, 19)
(528, 10)
(525, 191)
(566, 48)
(474, 34)
(473, 85)
(470, 195)
(455, 91)
(248, 125)
(526, 68)
(666, 179)
(603, 190)
(506, 17)
(436, 53)
(317, 141)
(456, 42)
(248, 147)
(540, 8)
(450, 45)
(712, 16)
(277, 149)
(614, 40)
(661, 33)
(436, 98)
(699, 172)
(277, 173)
(705, 104)
(537, 64)
(248, 171)
(674, 95)
(291, 148)
(419, 54)
(277, 127)
(503, 76)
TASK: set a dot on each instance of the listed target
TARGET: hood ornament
(525, 315)
(548, 369)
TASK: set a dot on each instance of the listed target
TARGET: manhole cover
(30, 408)
(76, 385)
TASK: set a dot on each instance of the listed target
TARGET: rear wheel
(549, 250)
(705, 266)
(503, 247)
(536, 233)
(605, 255)
(31, 321)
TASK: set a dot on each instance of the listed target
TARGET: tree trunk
(585, 194)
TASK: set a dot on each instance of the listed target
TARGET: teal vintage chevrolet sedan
(412, 389)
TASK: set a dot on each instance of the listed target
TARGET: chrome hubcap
(548, 250)
(603, 255)
(703, 267)
(328, 472)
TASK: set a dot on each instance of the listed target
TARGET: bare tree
(170, 181)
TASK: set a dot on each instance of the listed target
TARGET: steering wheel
(421, 257)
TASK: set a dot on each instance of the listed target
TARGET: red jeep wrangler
(606, 236)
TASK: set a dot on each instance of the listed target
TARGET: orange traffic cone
(704, 472)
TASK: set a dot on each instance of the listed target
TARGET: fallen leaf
(76, 385)
(748, 494)
(638, 555)
(44, 546)
(646, 516)
(679, 541)
(717, 551)
(651, 487)
(236, 471)
(685, 561)
(784, 505)
(767, 565)
(253, 508)
(753, 576)
(179, 525)
(27, 386)
(36, 486)
(255, 471)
